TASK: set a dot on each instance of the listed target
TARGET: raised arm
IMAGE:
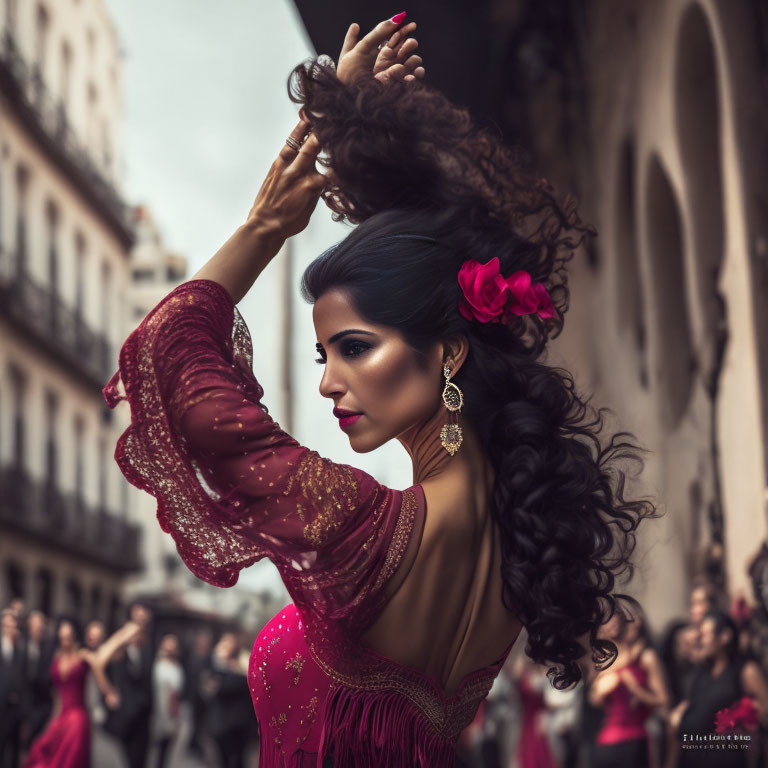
(282, 208)
(117, 640)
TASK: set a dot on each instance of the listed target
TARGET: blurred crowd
(166, 693)
(696, 695)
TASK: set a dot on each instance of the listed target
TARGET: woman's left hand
(386, 51)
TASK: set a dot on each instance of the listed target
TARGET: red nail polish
(399, 17)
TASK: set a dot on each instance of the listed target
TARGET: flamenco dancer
(66, 742)
(432, 317)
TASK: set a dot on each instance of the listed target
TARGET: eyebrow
(342, 334)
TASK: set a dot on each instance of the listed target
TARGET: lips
(346, 418)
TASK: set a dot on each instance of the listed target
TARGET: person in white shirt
(167, 687)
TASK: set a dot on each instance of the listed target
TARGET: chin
(363, 445)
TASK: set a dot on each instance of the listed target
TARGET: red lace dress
(232, 488)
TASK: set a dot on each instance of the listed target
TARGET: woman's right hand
(291, 189)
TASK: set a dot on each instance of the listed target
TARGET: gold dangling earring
(450, 435)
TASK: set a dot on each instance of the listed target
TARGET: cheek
(395, 385)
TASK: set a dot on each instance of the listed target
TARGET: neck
(430, 459)
(719, 663)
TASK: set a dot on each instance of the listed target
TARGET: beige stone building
(67, 539)
(654, 113)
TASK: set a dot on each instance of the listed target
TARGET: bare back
(446, 618)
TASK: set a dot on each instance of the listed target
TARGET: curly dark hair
(430, 189)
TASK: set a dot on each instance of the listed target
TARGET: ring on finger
(292, 143)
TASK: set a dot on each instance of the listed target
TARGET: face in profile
(709, 642)
(372, 375)
(169, 646)
(226, 648)
(10, 627)
(611, 630)
(94, 635)
(66, 636)
(36, 625)
(141, 615)
(700, 604)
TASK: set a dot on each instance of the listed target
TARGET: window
(42, 24)
(18, 389)
(22, 183)
(52, 225)
(143, 275)
(92, 98)
(65, 74)
(10, 15)
(79, 274)
(102, 464)
(51, 447)
(79, 463)
(106, 281)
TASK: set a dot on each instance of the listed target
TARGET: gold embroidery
(296, 664)
(400, 538)
(329, 489)
(352, 665)
(311, 716)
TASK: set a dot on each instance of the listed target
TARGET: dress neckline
(70, 669)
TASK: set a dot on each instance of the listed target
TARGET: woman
(430, 317)
(628, 693)
(66, 742)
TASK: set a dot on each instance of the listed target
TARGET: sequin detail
(296, 664)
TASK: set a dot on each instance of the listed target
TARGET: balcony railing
(58, 330)
(65, 522)
(47, 121)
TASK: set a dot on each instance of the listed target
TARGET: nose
(332, 384)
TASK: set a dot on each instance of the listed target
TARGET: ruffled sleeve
(231, 486)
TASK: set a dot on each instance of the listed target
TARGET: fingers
(411, 69)
(377, 36)
(307, 156)
(287, 153)
(412, 62)
(350, 39)
(395, 72)
(388, 55)
(400, 36)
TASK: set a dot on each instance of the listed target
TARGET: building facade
(653, 113)
(67, 539)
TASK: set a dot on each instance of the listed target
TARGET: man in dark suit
(39, 692)
(198, 664)
(11, 688)
(131, 674)
(230, 710)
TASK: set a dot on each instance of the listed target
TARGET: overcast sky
(206, 111)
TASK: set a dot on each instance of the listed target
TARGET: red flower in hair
(485, 291)
(529, 297)
(742, 716)
(490, 298)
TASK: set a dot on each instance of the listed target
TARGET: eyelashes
(349, 348)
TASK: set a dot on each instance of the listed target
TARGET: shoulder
(649, 659)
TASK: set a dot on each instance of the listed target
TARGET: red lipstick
(346, 418)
